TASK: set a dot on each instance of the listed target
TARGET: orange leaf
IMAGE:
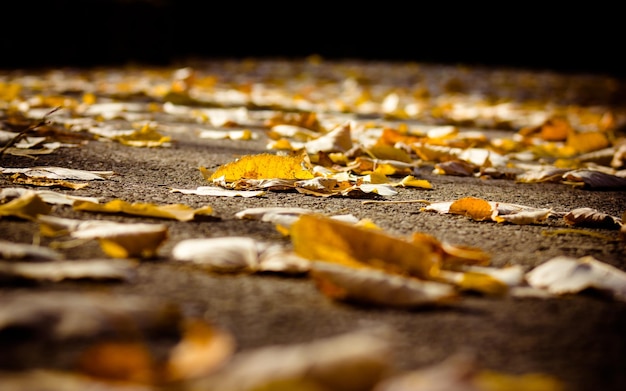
(476, 208)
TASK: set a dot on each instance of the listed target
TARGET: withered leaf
(589, 217)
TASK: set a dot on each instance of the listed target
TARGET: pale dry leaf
(566, 275)
(224, 254)
(371, 286)
(220, 192)
(23, 252)
(354, 361)
(118, 240)
(52, 172)
(93, 269)
(48, 196)
(337, 140)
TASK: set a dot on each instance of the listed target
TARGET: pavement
(576, 338)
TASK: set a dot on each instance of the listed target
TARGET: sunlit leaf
(337, 140)
(411, 181)
(178, 212)
(265, 166)
(147, 136)
(118, 240)
(316, 237)
(28, 206)
(476, 208)
(372, 286)
(235, 254)
(566, 275)
(589, 217)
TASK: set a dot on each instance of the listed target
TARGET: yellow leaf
(495, 381)
(317, 237)
(179, 212)
(145, 137)
(265, 166)
(27, 207)
(387, 152)
(411, 181)
(476, 208)
(587, 142)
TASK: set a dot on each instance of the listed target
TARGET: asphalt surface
(578, 338)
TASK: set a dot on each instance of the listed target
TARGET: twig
(22, 134)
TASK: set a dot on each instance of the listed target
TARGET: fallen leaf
(589, 217)
(264, 166)
(48, 196)
(238, 254)
(476, 208)
(316, 237)
(178, 212)
(118, 240)
(53, 172)
(353, 361)
(220, 192)
(564, 275)
(372, 286)
(27, 252)
(93, 269)
(147, 136)
(28, 206)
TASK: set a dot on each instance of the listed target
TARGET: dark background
(582, 38)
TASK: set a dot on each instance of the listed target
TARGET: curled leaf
(588, 217)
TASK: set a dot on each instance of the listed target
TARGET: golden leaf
(147, 136)
(316, 237)
(476, 208)
(28, 206)
(265, 166)
(178, 212)
(587, 142)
